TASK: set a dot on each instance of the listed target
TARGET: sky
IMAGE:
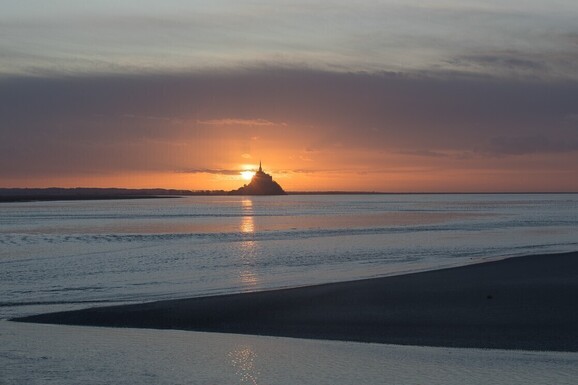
(392, 96)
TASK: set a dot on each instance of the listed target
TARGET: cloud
(571, 120)
(528, 144)
(537, 54)
(241, 122)
(501, 61)
(205, 120)
(572, 38)
(211, 171)
(425, 153)
(168, 119)
(409, 36)
(519, 145)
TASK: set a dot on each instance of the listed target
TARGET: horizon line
(7, 190)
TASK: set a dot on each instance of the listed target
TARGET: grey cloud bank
(504, 39)
(100, 119)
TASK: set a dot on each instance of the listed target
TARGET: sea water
(73, 254)
(69, 255)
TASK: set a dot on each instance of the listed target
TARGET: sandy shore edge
(528, 303)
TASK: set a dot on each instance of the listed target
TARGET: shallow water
(43, 354)
(66, 255)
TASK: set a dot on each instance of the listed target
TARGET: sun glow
(247, 175)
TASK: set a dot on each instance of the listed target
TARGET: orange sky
(382, 96)
(313, 130)
(175, 164)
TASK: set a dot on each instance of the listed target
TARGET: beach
(526, 303)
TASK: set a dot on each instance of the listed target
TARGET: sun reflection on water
(248, 248)
(247, 225)
(249, 277)
(247, 222)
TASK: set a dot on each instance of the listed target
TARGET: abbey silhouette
(261, 184)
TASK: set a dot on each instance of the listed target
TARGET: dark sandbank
(528, 303)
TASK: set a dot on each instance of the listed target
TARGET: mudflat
(528, 303)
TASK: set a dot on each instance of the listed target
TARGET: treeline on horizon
(88, 193)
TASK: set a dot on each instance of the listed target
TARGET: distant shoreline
(52, 198)
(87, 193)
(526, 303)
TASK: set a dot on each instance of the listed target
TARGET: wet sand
(528, 303)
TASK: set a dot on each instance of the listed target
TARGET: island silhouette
(261, 184)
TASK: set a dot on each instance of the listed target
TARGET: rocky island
(261, 184)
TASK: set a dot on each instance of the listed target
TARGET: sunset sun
(247, 175)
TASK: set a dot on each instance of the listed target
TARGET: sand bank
(518, 303)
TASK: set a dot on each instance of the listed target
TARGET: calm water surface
(67, 255)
